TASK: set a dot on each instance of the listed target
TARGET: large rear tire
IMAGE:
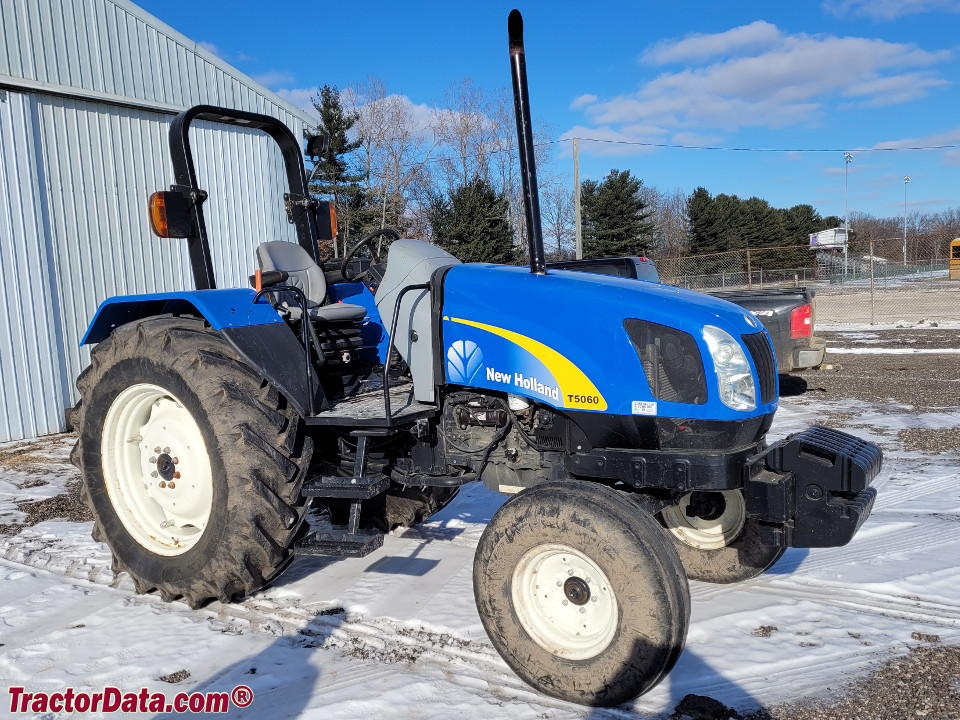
(191, 463)
(725, 546)
(581, 593)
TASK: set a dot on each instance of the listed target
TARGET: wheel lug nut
(570, 572)
(176, 476)
(171, 485)
(157, 449)
(582, 610)
(154, 474)
(153, 460)
(559, 584)
(176, 461)
(594, 598)
(565, 602)
(166, 450)
(163, 483)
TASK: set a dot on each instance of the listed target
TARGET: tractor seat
(305, 274)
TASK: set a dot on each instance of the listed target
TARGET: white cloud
(583, 101)
(301, 98)
(695, 139)
(788, 83)
(211, 48)
(616, 142)
(230, 57)
(950, 137)
(888, 9)
(699, 46)
(273, 78)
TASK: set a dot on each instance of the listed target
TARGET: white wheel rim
(156, 469)
(572, 629)
(707, 534)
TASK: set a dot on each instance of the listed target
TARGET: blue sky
(835, 75)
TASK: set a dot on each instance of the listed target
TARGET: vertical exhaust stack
(528, 163)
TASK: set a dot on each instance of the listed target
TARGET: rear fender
(220, 308)
(255, 330)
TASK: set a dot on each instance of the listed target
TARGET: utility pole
(847, 159)
(906, 180)
(576, 197)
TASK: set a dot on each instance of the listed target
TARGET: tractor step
(340, 543)
(352, 488)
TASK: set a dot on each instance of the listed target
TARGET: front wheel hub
(565, 602)
(577, 591)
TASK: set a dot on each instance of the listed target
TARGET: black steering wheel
(366, 240)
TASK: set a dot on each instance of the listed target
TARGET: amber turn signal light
(169, 217)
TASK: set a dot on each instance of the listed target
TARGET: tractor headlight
(735, 381)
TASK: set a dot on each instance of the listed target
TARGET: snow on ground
(397, 633)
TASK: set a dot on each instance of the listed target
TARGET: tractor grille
(762, 353)
(671, 361)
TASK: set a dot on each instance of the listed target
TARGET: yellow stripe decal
(576, 389)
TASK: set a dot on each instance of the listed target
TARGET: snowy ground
(396, 634)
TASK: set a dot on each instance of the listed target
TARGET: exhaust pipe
(528, 163)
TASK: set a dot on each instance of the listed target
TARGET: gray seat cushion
(305, 274)
(294, 260)
(337, 312)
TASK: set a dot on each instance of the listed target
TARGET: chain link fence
(872, 284)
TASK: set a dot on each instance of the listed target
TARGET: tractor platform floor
(369, 409)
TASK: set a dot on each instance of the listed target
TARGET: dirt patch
(67, 505)
(930, 439)
(175, 677)
(925, 684)
(35, 455)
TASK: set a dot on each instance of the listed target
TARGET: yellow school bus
(955, 260)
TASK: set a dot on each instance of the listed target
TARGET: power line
(673, 146)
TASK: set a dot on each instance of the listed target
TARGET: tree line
(450, 175)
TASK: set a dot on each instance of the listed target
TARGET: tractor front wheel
(192, 465)
(581, 593)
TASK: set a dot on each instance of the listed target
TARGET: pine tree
(615, 216)
(471, 223)
(331, 176)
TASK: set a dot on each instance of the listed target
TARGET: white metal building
(87, 92)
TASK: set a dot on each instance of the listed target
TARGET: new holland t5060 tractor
(625, 419)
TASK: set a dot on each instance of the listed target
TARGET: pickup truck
(788, 315)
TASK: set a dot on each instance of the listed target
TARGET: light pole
(847, 159)
(906, 180)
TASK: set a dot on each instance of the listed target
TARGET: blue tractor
(625, 419)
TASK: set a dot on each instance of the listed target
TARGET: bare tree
(395, 149)
(669, 213)
(556, 208)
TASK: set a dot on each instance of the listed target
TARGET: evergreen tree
(331, 176)
(615, 216)
(471, 222)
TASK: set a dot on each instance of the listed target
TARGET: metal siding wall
(112, 46)
(243, 172)
(75, 175)
(30, 377)
(103, 162)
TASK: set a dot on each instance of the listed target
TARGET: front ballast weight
(815, 488)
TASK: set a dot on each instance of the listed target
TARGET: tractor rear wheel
(581, 593)
(191, 463)
(723, 546)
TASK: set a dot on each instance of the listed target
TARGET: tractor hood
(599, 343)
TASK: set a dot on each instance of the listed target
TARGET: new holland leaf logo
(464, 360)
